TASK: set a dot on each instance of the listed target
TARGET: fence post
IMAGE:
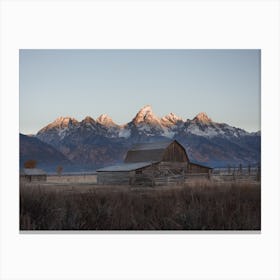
(229, 169)
(259, 172)
(209, 174)
(240, 169)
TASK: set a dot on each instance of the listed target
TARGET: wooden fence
(145, 180)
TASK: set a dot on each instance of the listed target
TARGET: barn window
(139, 171)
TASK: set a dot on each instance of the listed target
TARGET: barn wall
(171, 173)
(114, 178)
(163, 173)
(36, 178)
(193, 168)
(163, 167)
(173, 167)
(174, 152)
(143, 176)
(85, 178)
(33, 178)
(25, 178)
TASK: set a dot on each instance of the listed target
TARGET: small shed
(151, 164)
(33, 174)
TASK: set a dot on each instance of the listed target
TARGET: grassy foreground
(199, 206)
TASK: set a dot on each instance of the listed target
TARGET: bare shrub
(31, 163)
(59, 170)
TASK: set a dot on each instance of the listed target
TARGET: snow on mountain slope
(202, 117)
(57, 130)
(145, 123)
(170, 120)
(101, 140)
(203, 126)
(63, 127)
(105, 120)
(61, 123)
(124, 132)
(146, 115)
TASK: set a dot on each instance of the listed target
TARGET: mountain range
(90, 144)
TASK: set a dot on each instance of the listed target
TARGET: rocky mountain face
(91, 143)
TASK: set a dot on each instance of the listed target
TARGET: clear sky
(78, 83)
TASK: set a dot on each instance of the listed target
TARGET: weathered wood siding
(77, 178)
(173, 165)
(33, 178)
(195, 168)
(175, 152)
(160, 174)
(144, 176)
(115, 178)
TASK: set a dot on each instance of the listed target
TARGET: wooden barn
(33, 174)
(152, 164)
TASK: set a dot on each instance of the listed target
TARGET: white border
(155, 24)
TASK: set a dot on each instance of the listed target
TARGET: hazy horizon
(225, 84)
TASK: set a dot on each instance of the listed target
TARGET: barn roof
(125, 167)
(201, 165)
(33, 171)
(151, 146)
(149, 151)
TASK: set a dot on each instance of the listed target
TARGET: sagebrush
(199, 206)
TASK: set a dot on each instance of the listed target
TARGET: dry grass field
(200, 205)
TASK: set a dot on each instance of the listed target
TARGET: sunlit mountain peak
(171, 119)
(202, 117)
(146, 114)
(88, 119)
(104, 119)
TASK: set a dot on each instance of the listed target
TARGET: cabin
(152, 164)
(33, 175)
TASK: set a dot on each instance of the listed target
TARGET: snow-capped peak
(146, 115)
(171, 119)
(147, 109)
(202, 117)
(105, 120)
(62, 122)
(88, 119)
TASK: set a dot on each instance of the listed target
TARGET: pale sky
(78, 83)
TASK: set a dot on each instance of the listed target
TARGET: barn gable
(175, 152)
(156, 152)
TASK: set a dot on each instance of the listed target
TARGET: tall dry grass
(197, 206)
